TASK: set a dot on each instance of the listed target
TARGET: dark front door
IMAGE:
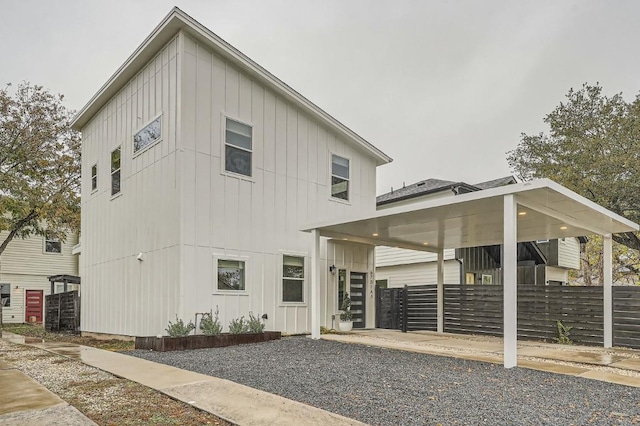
(33, 306)
(357, 292)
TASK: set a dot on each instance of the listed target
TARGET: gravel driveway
(390, 387)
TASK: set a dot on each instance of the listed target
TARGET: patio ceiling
(546, 210)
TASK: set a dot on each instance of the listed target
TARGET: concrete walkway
(614, 365)
(231, 401)
(26, 402)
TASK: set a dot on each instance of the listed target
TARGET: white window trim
(154, 143)
(244, 259)
(119, 193)
(44, 246)
(305, 281)
(93, 190)
(223, 145)
(331, 197)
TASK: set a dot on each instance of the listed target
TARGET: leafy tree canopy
(39, 165)
(593, 148)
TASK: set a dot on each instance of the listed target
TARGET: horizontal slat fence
(626, 316)
(478, 309)
(389, 308)
(422, 308)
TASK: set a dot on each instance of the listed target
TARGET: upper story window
(52, 244)
(148, 135)
(238, 148)
(115, 171)
(94, 177)
(293, 279)
(339, 177)
(231, 275)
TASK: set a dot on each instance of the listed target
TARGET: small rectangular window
(293, 279)
(149, 135)
(238, 147)
(115, 171)
(231, 275)
(94, 177)
(5, 295)
(52, 245)
(339, 177)
(342, 286)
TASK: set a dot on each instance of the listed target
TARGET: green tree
(39, 165)
(593, 148)
(626, 264)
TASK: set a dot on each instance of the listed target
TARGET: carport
(529, 211)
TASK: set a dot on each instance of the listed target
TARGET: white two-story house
(25, 266)
(199, 168)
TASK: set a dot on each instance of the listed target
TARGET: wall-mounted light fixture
(332, 269)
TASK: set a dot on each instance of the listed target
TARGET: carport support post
(440, 290)
(315, 285)
(607, 270)
(509, 278)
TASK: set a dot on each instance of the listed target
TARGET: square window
(293, 279)
(52, 245)
(94, 177)
(115, 171)
(238, 148)
(5, 295)
(231, 275)
(148, 135)
(339, 177)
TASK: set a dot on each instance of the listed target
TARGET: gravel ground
(390, 387)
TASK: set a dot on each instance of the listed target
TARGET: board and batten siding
(124, 295)
(182, 212)
(256, 219)
(25, 266)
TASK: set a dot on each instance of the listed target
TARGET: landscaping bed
(164, 343)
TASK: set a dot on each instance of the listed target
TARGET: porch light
(374, 234)
(563, 227)
(522, 213)
(332, 269)
(425, 244)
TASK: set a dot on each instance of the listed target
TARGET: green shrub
(325, 330)
(346, 313)
(563, 334)
(210, 324)
(179, 329)
(255, 324)
(238, 326)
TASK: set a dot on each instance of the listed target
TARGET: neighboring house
(541, 262)
(24, 268)
(199, 168)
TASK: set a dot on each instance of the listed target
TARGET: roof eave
(177, 20)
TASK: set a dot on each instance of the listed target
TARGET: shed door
(33, 305)
(357, 282)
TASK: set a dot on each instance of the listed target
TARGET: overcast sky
(443, 87)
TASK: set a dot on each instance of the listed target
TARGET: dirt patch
(38, 332)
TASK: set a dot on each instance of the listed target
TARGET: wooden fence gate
(63, 312)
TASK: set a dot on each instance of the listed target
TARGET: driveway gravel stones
(391, 387)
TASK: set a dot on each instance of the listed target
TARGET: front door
(358, 294)
(33, 306)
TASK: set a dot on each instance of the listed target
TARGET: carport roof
(546, 210)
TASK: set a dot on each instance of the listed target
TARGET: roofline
(178, 20)
(500, 191)
(431, 191)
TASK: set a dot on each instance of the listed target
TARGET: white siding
(556, 274)
(122, 295)
(182, 211)
(390, 256)
(569, 253)
(256, 219)
(25, 265)
(418, 274)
